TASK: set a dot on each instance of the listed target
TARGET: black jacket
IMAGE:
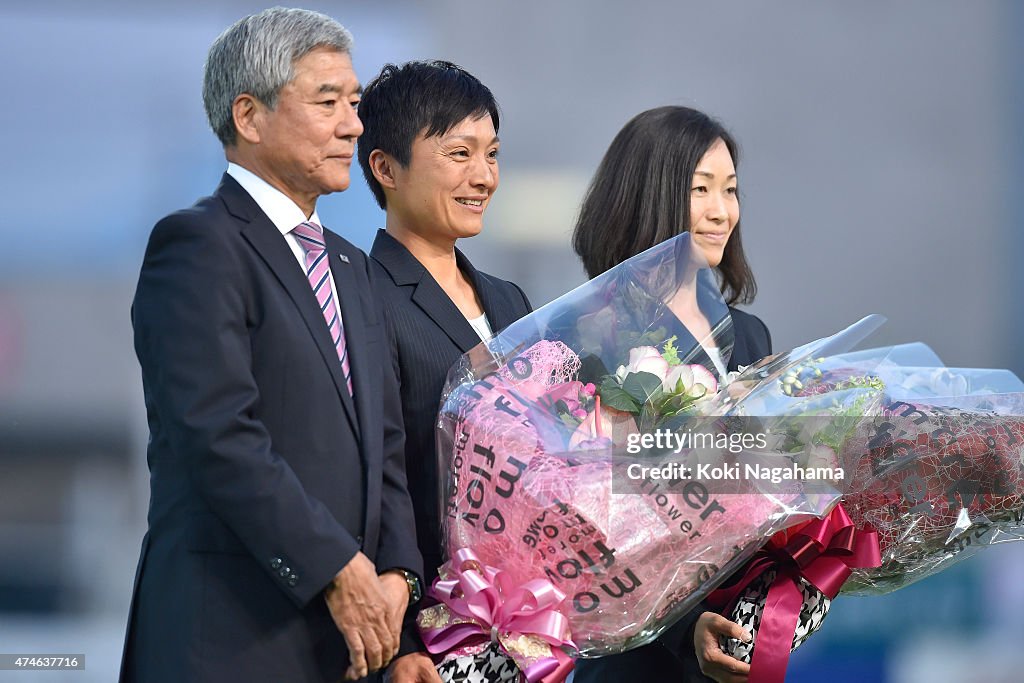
(266, 476)
(430, 334)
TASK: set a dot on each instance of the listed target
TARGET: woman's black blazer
(430, 334)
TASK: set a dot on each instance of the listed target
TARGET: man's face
(307, 141)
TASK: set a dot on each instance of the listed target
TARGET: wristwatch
(413, 582)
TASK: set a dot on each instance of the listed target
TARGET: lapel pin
(344, 259)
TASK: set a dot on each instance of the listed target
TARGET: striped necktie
(318, 271)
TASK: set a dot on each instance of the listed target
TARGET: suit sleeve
(398, 546)
(395, 488)
(678, 640)
(767, 334)
(192, 341)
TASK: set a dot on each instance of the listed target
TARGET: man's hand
(396, 592)
(360, 610)
(415, 667)
(713, 662)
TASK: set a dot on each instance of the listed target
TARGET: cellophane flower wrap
(933, 459)
(534, 436)
(941, 474)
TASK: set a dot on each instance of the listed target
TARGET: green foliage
(669, 351)
(613, 396)
(644, 387)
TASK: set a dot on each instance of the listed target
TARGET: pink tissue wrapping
(624, 560)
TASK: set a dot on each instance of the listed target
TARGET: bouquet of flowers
(935, 472)
(583, 518)
(555, 547)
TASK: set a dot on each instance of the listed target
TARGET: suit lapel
(740, 353)
(498, 315)
(405, 270)
(429, 296)
(266, 239)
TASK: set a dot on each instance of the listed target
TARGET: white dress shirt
(283, 213)
(481, 327)
(715, 354)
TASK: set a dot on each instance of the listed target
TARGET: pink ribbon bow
(480, 603)
(824, 552)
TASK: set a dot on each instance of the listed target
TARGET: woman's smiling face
(714, 205)
(449, 181)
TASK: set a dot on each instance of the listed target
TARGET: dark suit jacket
(430, 336)
(266, 476)
(672, 657)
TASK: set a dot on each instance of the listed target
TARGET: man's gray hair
(257, 55)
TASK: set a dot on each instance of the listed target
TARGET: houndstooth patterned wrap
(747, 614)
(489, 665)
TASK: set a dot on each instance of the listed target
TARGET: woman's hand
(714, 663)
(415, 667)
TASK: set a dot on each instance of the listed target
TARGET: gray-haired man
(281, 544)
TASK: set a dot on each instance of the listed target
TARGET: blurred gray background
(881, 161)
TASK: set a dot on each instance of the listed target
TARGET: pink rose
(568, 392)
(678, 380)
(694, 380)
(701, 375)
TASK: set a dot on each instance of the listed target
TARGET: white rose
(644, 359)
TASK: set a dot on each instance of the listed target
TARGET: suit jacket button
(359, 540)
(292, 580)
(285, 571)
(276, 563)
